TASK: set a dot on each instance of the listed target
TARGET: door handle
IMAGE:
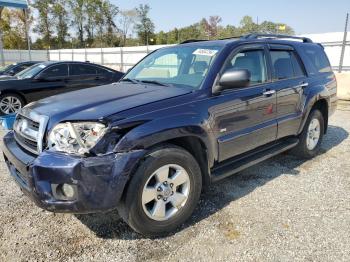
(303, 85)
(269, 92)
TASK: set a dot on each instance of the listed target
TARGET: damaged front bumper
(98, 182)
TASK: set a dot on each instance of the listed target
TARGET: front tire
(311, 136)
(163, 192)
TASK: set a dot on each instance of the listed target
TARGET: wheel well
(16, 93)
(191, 144)
(322, 105)
(196, 148)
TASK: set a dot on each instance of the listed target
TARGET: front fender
(164, 129)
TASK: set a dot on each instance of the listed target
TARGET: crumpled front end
(64, 183)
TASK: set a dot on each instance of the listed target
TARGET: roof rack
(276, 36)
(193, 41)
(254, 36)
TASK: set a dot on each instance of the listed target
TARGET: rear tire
(163, 192)
(10, 103)
(311, 136)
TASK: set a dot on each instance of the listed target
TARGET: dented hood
(102, 101)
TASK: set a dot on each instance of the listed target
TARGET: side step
(236, 164)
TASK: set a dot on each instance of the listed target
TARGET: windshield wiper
(153, 82)
(134, 81)
(137, 81)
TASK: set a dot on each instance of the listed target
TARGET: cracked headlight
(75, 138)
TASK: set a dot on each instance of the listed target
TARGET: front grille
(29, 128)
(28, 144)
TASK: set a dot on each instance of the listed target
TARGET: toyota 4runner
(185, 116)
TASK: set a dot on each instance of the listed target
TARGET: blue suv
(183, 117)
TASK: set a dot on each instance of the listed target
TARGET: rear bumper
(98, 181)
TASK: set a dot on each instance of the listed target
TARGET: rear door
(82, 76)
(245, 118)
(290, 80)
(103, 76)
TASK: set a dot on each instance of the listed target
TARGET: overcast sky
(305, 16)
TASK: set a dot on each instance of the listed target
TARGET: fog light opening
(64, 191)
(68, 191)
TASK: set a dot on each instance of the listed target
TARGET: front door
(245, 118)
(51, 81)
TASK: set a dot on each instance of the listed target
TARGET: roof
(60, 62)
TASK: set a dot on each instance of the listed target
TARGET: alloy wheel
(313, 134)
(165, 192)
(10, 104)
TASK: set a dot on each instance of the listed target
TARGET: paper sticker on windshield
(205, 52)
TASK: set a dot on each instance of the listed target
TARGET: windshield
(6, 68)
(179, 65)
(30, 71)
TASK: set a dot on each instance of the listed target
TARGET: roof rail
(276, 36)
(193, 41)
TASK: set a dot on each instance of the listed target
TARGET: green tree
(79, 16)
(91, 7)
(110, 12)
(145, 26)
(44, 20)
(247, 25)
(228, 31)
(269, 27)
(60, 20)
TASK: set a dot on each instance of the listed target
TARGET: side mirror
(233, 78)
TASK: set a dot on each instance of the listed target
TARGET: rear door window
(101, 71)
(318, 58)
(286, 64)
(80, 69)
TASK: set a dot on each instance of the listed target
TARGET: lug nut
(159, 189)
(165, 183)
(159, 197)
(171, 185)
(165, 199)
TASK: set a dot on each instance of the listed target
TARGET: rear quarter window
(318, 59)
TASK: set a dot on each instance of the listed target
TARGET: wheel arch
(320, 103)
(16, 92)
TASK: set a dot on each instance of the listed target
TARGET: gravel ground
(284, 209)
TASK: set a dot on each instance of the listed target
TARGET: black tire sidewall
(136, 216)
(303, 143)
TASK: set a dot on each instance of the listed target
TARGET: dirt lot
(284, 209)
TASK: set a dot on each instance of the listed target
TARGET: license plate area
(21, 179)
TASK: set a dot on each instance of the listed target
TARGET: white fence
(122, 58)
